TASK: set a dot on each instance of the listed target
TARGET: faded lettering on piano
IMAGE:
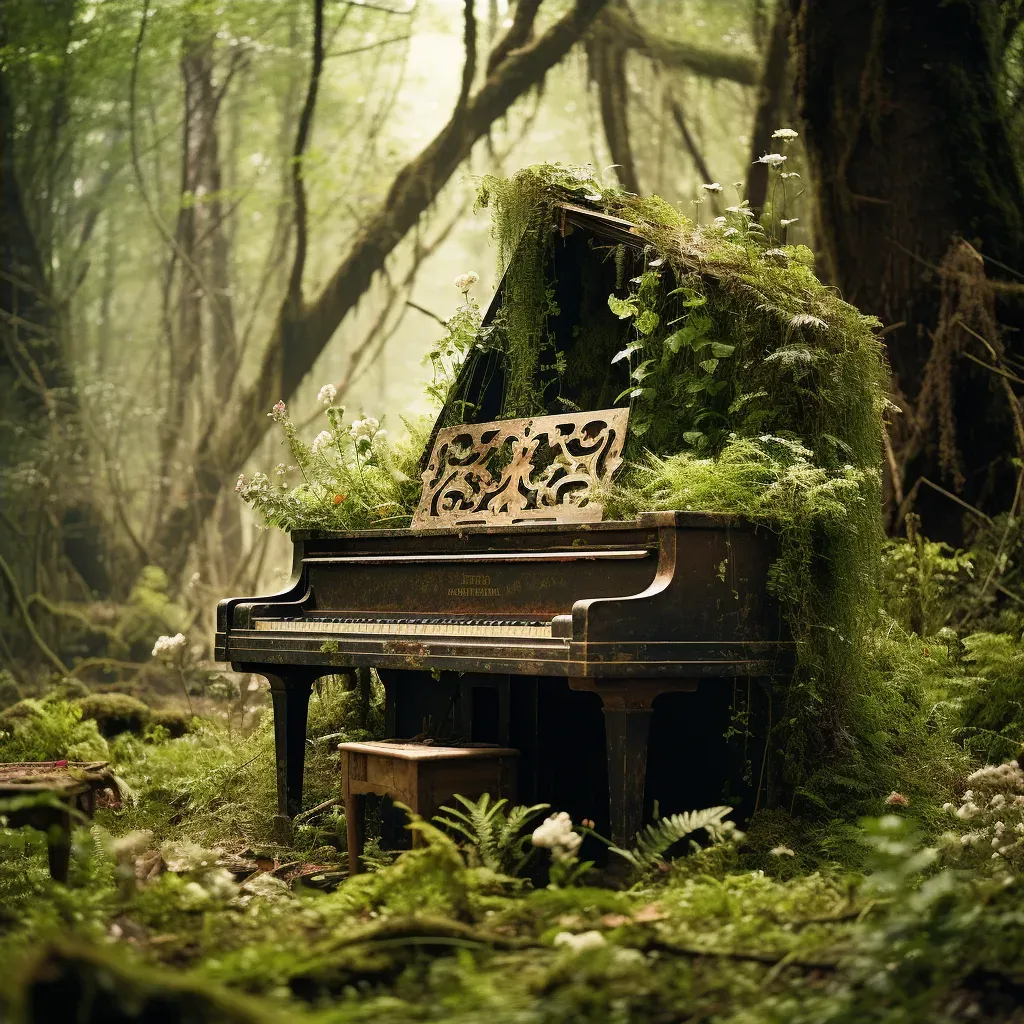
(474, 585)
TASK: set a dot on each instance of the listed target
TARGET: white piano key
(368, 627)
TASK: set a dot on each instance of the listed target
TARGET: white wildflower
(782, 851)
(364, 428)
(556, 834)
(327, 394)
(712, 186)
(997, 801)
(195, 579)
(772, 159)
(786, 221)
(785, 133)
(968, 810)
(167, 647)
(280, 469)
(466, 281)
(279, 413)
(321, 441)
(240, 482)
(580, 943)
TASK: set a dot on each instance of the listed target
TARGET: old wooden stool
(73, 784)
(420, 775)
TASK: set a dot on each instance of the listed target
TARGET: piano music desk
(422, 776)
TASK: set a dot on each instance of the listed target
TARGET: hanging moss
(753, 388)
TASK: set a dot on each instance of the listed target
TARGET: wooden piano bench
(420, 775)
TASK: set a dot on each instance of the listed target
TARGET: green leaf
(693, 437)
(709, 365)
(622, 308)
(642, 370)
(647, 321)
(675, 340)
(721, 350)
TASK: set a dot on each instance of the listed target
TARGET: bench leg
(355, 816)
(58, 848)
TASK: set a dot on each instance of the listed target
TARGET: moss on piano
(754, 389)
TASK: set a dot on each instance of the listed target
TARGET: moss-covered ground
(180, 907)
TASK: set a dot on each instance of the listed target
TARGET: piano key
(421, 626)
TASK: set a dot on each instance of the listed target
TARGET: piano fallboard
(669, 595)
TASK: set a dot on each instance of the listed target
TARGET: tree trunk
(303, 329)
(908, 150)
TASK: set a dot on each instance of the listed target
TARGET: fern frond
(657, 838)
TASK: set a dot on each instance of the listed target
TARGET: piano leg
(290, 695)
(627, 726)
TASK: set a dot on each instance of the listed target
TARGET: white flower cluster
(782, 851)
(167, 647)
(994, 807)
(466, 281)
(321, 441)
(327, 394)
(364, 431)
(772, 159)
(712, 186)
(556, 834)
(279, 413)
(786, 134)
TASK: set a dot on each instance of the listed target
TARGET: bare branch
(674, 53)
(691, 146)
(301, 139)
(469, 67)
(518, 33)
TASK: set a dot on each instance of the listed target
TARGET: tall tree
(907, 138)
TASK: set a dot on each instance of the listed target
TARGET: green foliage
(494, 835)
(991, 695)
(754, 389)
(352, 477)
(49, 730)
(922, 581)
(149, 613)
(654, 842)
(115, 713)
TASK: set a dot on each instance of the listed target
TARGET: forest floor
(180, 907)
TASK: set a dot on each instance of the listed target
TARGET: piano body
(465, 614)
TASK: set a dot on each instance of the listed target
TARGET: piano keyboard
(408, 626)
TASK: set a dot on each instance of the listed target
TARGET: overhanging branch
(706, 61)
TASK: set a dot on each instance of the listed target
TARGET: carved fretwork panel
(542, 469)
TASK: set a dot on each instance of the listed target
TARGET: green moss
(50, 730)
(115, 713)
(754, 390)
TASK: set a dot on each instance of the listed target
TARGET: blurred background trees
(210, 206)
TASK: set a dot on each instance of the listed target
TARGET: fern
(493, 835)
(656, 839)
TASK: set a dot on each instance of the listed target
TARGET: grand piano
(508, 594)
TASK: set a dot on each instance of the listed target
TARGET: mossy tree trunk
(908, 148)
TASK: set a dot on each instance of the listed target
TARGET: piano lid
(592, 256)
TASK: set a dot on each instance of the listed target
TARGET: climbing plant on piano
(731, 350)
(351, 476)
